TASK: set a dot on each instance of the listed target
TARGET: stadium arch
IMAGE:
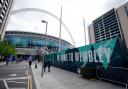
(46, 12)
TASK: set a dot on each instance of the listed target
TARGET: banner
(105, 53)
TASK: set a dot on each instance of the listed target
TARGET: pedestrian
(30, 61)
(16, 59)
(21, 59)
(7, 60)
(36, 62)
(45, 65)
(49, 65)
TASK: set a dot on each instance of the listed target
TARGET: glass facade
(31, 40)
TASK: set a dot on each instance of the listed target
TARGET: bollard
(126, 86)
(35, 65)
(42, 68)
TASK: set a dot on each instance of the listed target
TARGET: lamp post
(60, 30)
(84, 30)
(45, 31)
(45, 46)
(35, 57)
(46, 26)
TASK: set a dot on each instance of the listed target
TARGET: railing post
(100, 83)
(97, 68)
(42, 66)
(96, 71)
(126, 86)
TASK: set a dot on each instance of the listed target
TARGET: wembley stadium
(27, 43)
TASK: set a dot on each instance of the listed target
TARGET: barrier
(105, 53)
(113, 74)
(88, 73)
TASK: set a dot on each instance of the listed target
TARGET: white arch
(46, 12)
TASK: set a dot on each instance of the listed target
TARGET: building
(91, 34)
(5, 8)
(113, 23)
(122, 12)
(106, 27)
(27, 43)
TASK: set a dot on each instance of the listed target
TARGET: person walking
(7, 60)
(30, 61)
(45, 65)
(49, 65)
(16, 60)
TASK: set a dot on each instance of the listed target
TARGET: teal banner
(105, 53)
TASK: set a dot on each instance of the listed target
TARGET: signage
(105, 53)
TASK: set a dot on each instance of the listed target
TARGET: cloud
(109, 4)
(73, 12)
(18, 4)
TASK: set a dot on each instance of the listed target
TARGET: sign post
(42, 66)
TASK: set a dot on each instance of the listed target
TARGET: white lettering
(90, 56)
(71, 56)
(77, 56)
(100, 54)
(107, 53)
(85, 56)
(65, 57)
(94, 55)
(58, 57)
(62, 57)
(81, 56)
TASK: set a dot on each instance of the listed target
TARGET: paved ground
(16, 76)
(61, 79)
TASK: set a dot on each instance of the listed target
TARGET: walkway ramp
(62, 79)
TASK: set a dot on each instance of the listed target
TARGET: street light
(84, 30)
(45, 45)
(45, 30)
(36, 57)
(46, 26)
(60, 30)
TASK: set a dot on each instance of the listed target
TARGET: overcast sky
(73, 12)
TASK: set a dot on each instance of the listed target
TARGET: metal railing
(113, 74)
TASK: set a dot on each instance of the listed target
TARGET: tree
(7, 49)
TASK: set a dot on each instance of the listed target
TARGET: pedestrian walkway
(2, 63)
(61, 79)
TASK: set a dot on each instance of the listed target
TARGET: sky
(73, 12)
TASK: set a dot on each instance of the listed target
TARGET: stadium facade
(27, 43)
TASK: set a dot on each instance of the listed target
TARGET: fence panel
(115, 74)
